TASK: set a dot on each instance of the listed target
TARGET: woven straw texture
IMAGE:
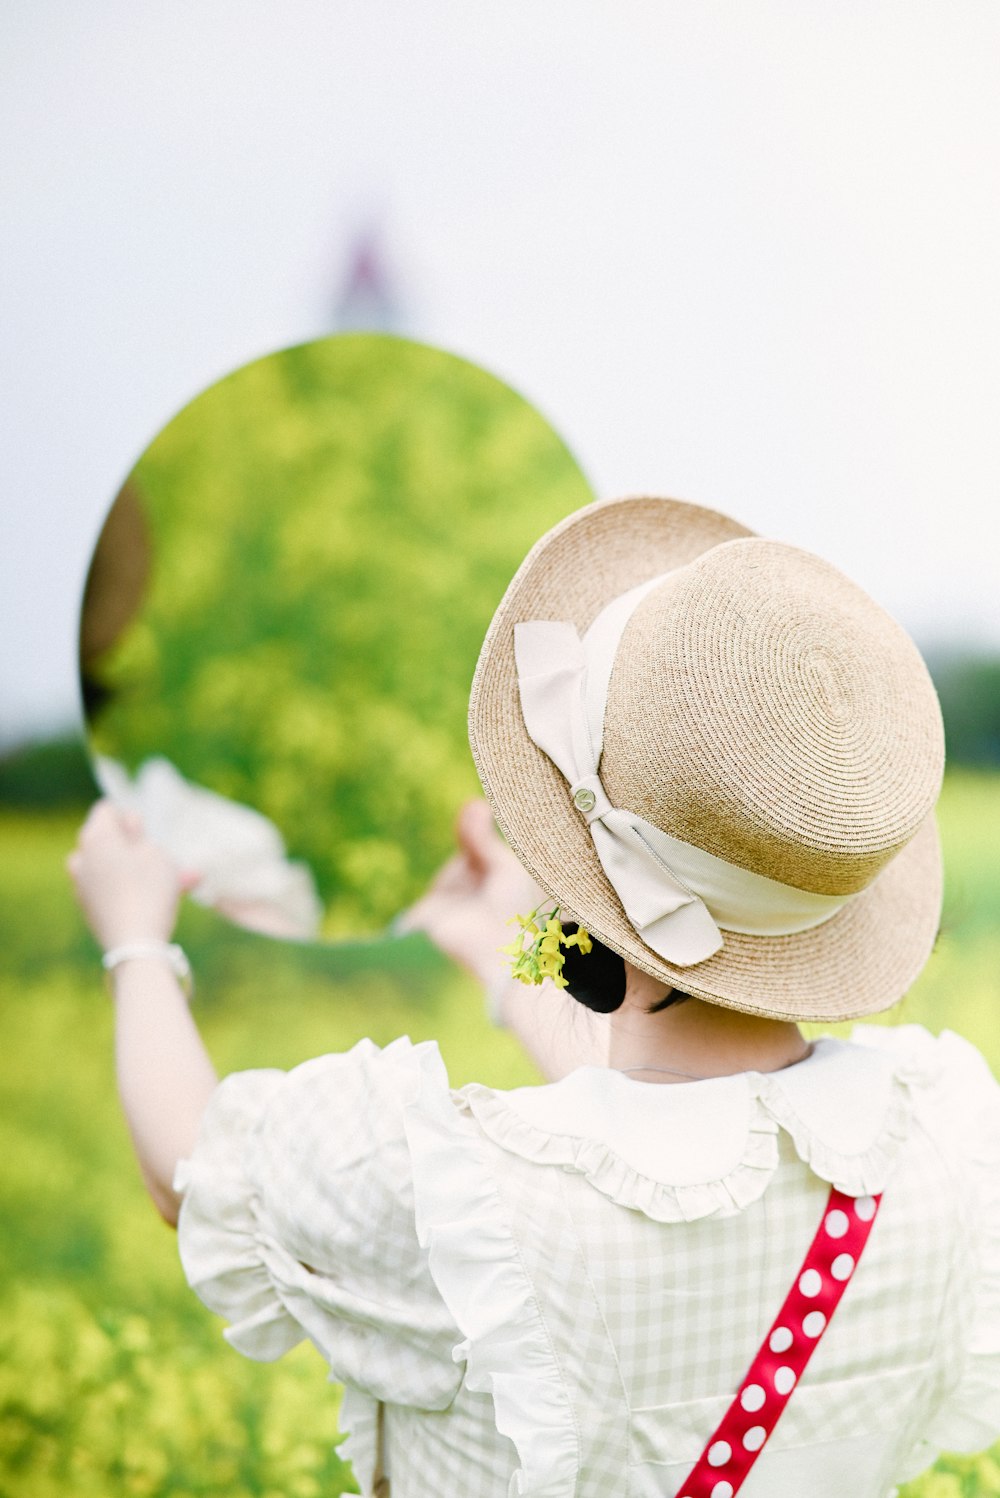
(762, 708)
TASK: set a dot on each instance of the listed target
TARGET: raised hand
(467, 906)
(127, 887)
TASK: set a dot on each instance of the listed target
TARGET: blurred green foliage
(113, 1379)
(50, 774)
(968, 685)
(332, 528)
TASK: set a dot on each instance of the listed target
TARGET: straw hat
(762, 717)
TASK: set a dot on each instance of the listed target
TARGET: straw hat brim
(859, 962)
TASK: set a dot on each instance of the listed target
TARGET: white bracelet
(167, 951)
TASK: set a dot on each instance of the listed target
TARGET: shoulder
(954, 1091)
(955, 1101)
(321, 1150)
(331, 1146)
(365, 1086)
(917, 1047)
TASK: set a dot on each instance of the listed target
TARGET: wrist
(123, 926)
(133, 935)
(150, 950)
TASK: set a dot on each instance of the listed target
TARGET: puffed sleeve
(297, 1220)
(969, 1418)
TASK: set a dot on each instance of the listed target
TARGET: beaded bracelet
(168, 951)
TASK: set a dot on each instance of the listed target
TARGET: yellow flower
(535, 954)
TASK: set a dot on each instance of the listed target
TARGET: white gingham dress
(555, 1291)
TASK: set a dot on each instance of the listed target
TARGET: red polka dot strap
(743, 1432)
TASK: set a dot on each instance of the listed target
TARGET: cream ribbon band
(679, 898)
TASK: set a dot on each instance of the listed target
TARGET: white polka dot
(810, 1283)
(784, 1380)
(719, 1453)
(842, 1267)
(864, 1208)
(814, 1323)
(752, 1398)
(755, 1438)
(837, 1223)
(781, 1339)
(722, 1490)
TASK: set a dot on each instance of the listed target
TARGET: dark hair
(597, 980)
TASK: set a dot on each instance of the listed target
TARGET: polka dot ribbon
(833, 1256)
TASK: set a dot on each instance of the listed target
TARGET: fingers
(454, 880)
(107, 820)
(102, 820)
(488, 857)
(101, 815)
(416, 916)
(453, 877)
(477, 835)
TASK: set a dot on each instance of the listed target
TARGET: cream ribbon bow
(670, 918)
(678, 897)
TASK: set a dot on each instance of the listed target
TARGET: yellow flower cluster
(535, 952)
(113, 1402)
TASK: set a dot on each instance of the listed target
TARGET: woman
(706, 1257)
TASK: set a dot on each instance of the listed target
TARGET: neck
(695, 1039)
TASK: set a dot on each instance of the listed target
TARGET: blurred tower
(368, 300)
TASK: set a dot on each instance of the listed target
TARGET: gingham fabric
(557, 1291)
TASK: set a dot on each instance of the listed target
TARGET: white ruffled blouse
(555, 1291)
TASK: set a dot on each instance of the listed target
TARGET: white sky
(741, 253)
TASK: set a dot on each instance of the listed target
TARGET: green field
(113, 1378)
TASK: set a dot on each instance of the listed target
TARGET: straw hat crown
(765, 709)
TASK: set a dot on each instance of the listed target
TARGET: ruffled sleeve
(476, 1261)
(297, 1220)
(964, 1109)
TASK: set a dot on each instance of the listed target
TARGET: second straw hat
(719, 755)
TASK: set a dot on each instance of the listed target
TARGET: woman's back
(606, 1256)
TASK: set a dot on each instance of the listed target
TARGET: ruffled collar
(688, 1150)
